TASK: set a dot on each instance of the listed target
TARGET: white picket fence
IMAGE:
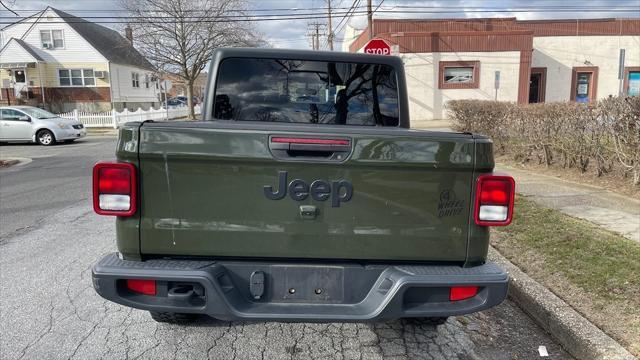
(114, 119)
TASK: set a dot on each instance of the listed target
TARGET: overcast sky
(293, 33)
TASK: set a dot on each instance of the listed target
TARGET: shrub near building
(604, 135)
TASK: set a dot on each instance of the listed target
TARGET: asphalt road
(49, 238)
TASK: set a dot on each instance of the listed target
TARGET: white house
(62, 62)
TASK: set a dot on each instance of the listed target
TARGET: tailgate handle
(310, 148)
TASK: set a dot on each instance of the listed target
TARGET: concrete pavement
(612, 211)
(57, 177)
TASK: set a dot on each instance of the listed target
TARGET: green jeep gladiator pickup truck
(302, 195)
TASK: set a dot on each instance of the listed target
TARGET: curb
(577, 335)
(110, 132)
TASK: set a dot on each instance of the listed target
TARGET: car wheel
(45, 137)
(172, 318)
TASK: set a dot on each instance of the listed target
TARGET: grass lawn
(595, 271)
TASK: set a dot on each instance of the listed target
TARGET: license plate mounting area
(309, 284)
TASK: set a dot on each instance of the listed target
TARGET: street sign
(377, 47)
(621, 64)
(496, 84)
(621, 73)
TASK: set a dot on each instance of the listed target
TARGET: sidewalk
(612, 211)
(433, 125)
(102, 132)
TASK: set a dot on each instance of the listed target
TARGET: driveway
(50, 237)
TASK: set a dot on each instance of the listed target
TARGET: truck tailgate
(215, 190)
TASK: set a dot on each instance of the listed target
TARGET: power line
(264, 17)
(347, 17)
(349, 10)
(378, 7)
(343, 19)
(6, 7)
(390, 7)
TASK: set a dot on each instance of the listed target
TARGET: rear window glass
(313, 92)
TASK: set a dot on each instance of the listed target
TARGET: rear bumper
(348, 292)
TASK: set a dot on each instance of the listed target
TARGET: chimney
(128, 33)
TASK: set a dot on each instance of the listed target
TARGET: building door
(537, 85)
(584, 81)
(19, 81)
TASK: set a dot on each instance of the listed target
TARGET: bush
(604, 136)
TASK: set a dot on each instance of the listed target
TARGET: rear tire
(172, 318)
(45, 137)
(433, 321)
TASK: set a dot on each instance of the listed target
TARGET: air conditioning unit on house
(100, 74)
(46, 46)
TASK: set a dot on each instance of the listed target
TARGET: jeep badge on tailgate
(320, 190)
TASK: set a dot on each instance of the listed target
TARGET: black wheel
(172, 318)
(45, 137)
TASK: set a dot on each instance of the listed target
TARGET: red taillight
(494, 200)
(462, 292)
(145, 287)
(114, 181)
(114, 189)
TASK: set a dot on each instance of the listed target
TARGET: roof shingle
(28, 49)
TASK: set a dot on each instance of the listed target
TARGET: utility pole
(314, 34)
(370, 19)
(330, 36)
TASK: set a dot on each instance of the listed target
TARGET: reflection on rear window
(312, 92)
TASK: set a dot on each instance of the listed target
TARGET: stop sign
(377, 47)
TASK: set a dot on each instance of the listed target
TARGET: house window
(146, 80)
(584, 83)
(135, 80)
(88, 76)
(76, 77)
(632, 81)
(52, 39)
(459, 75)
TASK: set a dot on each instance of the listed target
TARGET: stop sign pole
(377, 47)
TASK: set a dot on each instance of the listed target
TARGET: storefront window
(459, 75)
(582, 87)
(454, 75)
(633, 83)
(584, 84)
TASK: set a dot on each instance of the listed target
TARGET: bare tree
(179, 36)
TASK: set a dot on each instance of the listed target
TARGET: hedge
(604, 136)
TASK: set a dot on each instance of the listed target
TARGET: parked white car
(32, 124)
